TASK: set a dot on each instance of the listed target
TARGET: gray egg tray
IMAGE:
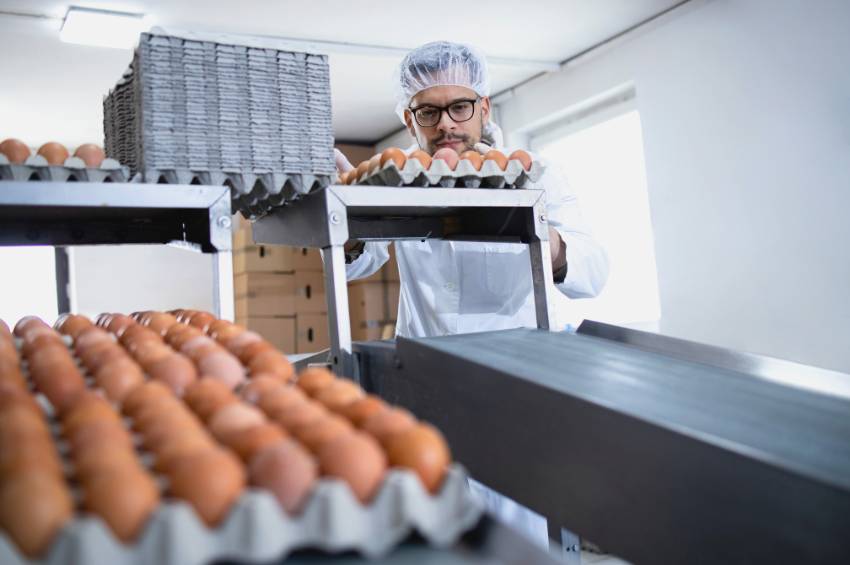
(258, 529)
(73, 169)
(464, 175)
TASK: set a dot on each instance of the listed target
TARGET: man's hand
(342, 164)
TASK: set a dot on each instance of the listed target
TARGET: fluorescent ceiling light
(101, 28)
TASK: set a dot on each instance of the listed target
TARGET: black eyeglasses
(428, 115)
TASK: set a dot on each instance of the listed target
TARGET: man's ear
(408, 121)
(485, 109)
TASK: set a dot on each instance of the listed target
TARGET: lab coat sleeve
(587, 262)
(375, 254)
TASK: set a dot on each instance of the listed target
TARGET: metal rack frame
(328, 218)
(192, 217)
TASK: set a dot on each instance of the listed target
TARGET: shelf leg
(223, 285)
(336, 290)
(541, 271)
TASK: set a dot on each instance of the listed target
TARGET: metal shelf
(328, 218)
(84, 213)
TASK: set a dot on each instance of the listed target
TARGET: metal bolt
(223, 222)
(334, 218)
(542, 218)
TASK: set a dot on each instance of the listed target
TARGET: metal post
(339, 322)
(63, 278)
(223, 306)
(541, 269)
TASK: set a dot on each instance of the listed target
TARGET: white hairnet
(440, 63)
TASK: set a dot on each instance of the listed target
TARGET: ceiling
(53, 90)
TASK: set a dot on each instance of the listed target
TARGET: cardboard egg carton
(73, 169)
(464, 175)
(257, 528)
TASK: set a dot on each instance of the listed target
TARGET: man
(450, 287)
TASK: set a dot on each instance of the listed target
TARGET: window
(28, 284)
(601, 153)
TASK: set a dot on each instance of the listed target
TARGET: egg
(104, 431)
(240, 341)
(31, 454)
(343, 177)
(276, 401)
(86, 415)
(223, 330)
(124, 500)
(448, 156)
(61, 387)
(171, 451)
(118, 323)
(315, 434)
(422, 449)
(148, 352)
(223, 366)
(206, 396)
(300, 415)
(251, 350)
(147, 392)
(179, 334)
(498, 157)
(358, 460)
(174, 370)
(423, 158)
(118, 378)
(247, 442)
(361, 170)
(287, 471)
(374, 164)
(234, 417)
(258, 386)
(386, 423)
(101, 458)
(199, 346)
(91, 154)
(55, 153)
(312, 379)
(395, 155)
(272, 362)
(158, 432)
(474, 158)
(523, 157)
(15, 150)
(160, 322)
(211, 481)
(33, 508)
(74, 324)
(338, 394)
(362, 409)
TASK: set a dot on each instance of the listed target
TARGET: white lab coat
(452, 287)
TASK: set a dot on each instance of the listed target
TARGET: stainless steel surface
(788, 373)
(328, 218)
(109, 195)
(653, 458)
(223, 297)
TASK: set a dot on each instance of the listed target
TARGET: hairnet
(440, 63)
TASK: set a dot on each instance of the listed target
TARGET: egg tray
(74, 169)
(258, 530)
(463, 176)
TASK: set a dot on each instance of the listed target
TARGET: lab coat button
(449, 286)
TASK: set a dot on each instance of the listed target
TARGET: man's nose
(446, 122)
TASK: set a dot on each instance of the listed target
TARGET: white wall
(745, 107)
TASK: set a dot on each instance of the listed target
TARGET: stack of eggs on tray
(111, 417)
(472, 162)
(17, 152)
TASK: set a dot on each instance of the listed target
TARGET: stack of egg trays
(256, 119)
(257, 529)
(464, 176)
(73, 169)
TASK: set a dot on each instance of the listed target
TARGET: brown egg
(280, 400)
(448, 156)
(160, 322)
(256, 387)
(288, 471)
(211, 481)
(422, 449)
(18, 414)
(252, 350)
(272, 362)
(149, 352)
(358, 460)
(12, 395)
(374, 163)
(158, 432)
(339, 394)
(10, 372)
(62, 386)
(33, 508)
(91, 154)
(361, 170)
(223, 366)
(29, 454)
(233, 417)
(199, 346)
(167, 409)
(147, 392)
(201, 320)
(88, 408)
(74, 324)
(395, 155)
(124, 500)
(299, 415)
(179, 334)
(15, 150)
(55, 153)
(474, 158)
(498, 157)
(315, 434)
(312, 379)
(523, 157)
(205, 396)
(28, 322)
(240, 341)
(246, 442)
(118, 378)
(88, 336)
(172, 450)
(423, 158)
(218, 327)
(362, 409)
(101, 458)
(118, 323)
(386, 423)
(175, 370)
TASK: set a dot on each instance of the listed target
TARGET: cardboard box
(311, 333)
(263, 259)
(373, 330)
(307, 259)
(264, 294)
(391, 267)
(279, 331)
(310, 292)
(371, 306)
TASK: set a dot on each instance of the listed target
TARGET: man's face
(447, 132)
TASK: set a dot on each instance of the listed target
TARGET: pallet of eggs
(179, 438)
(447, 169)
(53, 162)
